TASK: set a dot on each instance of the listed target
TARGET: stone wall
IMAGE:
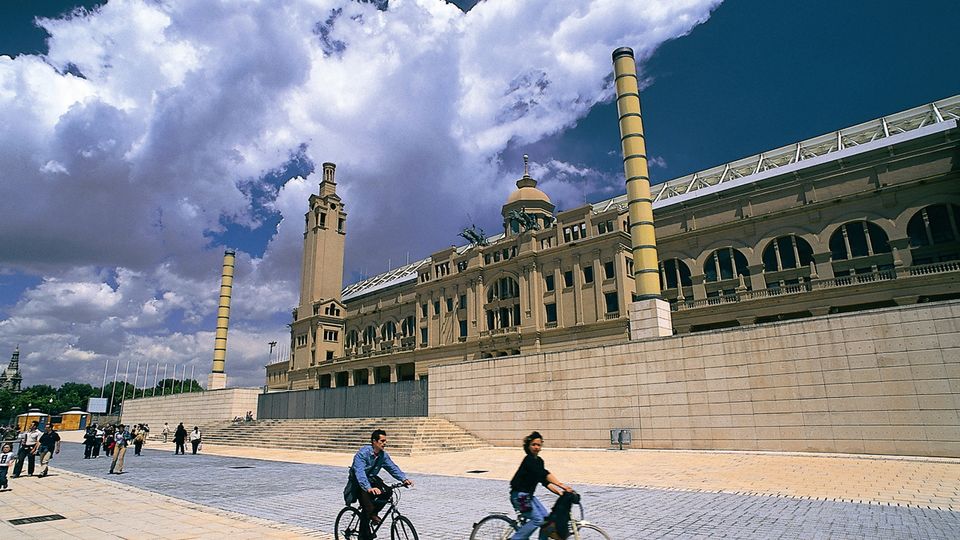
(193, 409)
(885, 381)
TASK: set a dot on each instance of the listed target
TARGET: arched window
(351, 339)
(406, 327)
(389, 331)
(672, 272)
(723, 264)
(369, 335)
(503, 289)
(787, 252)
(858, 239)
(935, 224)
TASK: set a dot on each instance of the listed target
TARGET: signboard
(97, 405)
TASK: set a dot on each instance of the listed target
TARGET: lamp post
(272, 344)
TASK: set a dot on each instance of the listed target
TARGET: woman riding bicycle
(523, 484)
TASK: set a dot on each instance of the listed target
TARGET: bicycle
(347, 524)
(500, 526)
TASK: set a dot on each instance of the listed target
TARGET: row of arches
(936, 225)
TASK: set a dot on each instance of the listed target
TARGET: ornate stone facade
(10, 377)
(865, 217)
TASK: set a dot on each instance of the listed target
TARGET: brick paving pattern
(444, 507)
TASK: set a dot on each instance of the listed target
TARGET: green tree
(173, 386)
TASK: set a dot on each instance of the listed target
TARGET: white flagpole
(155, 373)
(136, 378)
(113, 390)
(103, 386)
(193, 370)
(163, 391)
(182, 377)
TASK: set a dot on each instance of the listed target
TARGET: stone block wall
(885, 381)
(193, 409)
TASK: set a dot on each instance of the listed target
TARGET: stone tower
(218, 375)
(316, 334)
(10, 378)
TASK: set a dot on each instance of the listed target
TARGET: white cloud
(147, 131)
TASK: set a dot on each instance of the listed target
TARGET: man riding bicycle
(363, 482)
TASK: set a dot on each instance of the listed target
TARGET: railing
(611, 315)
(816, 285)
(500, 331)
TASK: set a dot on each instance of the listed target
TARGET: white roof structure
(893, 129)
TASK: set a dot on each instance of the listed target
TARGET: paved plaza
(633, 494)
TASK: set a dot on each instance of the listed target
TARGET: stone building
(10, 377)
(867, 216)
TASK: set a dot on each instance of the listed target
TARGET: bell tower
(316, 334)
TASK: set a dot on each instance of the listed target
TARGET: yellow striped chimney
(646, 272)
(218, 377)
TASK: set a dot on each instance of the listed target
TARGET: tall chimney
(218, 377)
(649, 314)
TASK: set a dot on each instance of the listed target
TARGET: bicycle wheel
(588, 531)
(347, 525)
(494, 527)
(402, 529)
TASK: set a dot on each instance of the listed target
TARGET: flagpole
(163, 391)
(113, 389)
(156, 372)
(103, 386)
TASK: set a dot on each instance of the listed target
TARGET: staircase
(406, 435)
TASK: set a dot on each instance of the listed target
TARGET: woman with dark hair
(524, 482)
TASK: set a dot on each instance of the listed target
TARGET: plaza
(257, 493)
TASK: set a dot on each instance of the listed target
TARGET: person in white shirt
(195, 438)
(166, 431)
(6, 461)
(29, 441)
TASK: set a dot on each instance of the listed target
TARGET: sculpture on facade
(474, 235)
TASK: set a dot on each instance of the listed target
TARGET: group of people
(180, 438)
(33, 442)
(365, 486)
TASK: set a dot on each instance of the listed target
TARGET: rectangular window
(449, 305)
(329, 355)
(340, 223)
(613, 303)
(323, 220)
(568, 278)
(551, 313)
(302, 340)
(548, 282)
(588, 274)
(423, 337)
(423, 310)
(436, 307)
(330, 335)
(463, 329)
(609, 272)
(463, 301)
(489, 319)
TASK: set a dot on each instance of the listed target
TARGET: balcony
(500, 332)
(901, 276)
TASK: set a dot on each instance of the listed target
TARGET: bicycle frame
(391, 506)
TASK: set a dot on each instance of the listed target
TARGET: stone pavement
(634, 494)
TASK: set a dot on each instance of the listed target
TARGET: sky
(140, 139)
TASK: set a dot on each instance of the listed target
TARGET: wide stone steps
(406, 436)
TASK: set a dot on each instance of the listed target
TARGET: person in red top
(524, 482)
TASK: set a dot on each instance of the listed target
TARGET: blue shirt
(368, 462)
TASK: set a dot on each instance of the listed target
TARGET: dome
(528, 193)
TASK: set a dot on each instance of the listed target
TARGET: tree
(173, 386)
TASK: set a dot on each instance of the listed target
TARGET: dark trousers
(88, 449)
(137, 446)
(96, 447)
(195, 444)
(3, 476)
(26, 452)
(371, 504)
(180, 448)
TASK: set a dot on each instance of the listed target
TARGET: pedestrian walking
(97, 440)
(138, 439)
(165, 432)
(89, 441)
(179, 438)
(49, 445)
(29, 440)
(6, 461)
(195, 438)
(121, 439)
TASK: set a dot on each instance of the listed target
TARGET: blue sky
(145, 137)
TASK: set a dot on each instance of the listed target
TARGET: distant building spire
(10, 377)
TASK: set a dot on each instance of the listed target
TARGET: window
(423, 337)
(546, 242)
(323, 219)
(551, 313)
(673, 272)
(463, 302)
(331, 310)
(330, 335)
(612, 301)
(436, 307)
(787, 252)
(423, 310)
(858, 239)
(629, 267)
(934, 234)
(329, 355)
(316, 310)
(548, 282)
(572, 233)
(588, 274)
(407, 326)
(568, 278)
(609, 271)
(449, 305)
(302, 340)
(389, 330)
(352, 338)
(503, 289)
(424, 278)
(605, 227)
(369, 335)
(442, 269)
(723, 264)
(463, 329)
(462, 265)
(340, 224)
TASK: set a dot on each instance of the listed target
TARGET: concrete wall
(193, 409)
(881, 382)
